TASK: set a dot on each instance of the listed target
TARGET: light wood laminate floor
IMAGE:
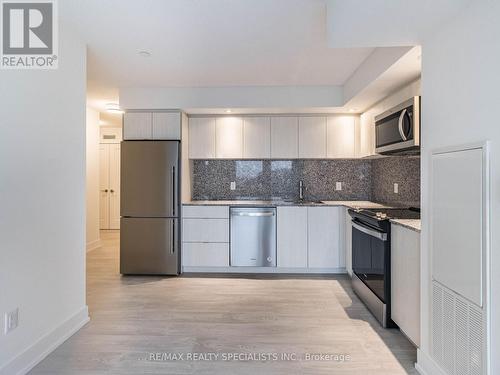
(132, 317)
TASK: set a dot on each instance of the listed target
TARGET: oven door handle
(371, 232)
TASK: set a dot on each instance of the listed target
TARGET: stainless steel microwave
(397, 131)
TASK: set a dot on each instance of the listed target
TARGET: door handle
(253, 214)
(400, 125)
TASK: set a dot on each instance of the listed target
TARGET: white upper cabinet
(152, 125)
(274, 137)
(137, 125)
(312, 137)
(256, 137)
(202, 138)
(229, 138)
(166, 125)
(340, 137)
(284, 137)
(366, 138)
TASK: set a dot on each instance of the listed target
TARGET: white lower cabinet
(405, 281)
(205, 236)
(205, 254)
(307, 238)
(292, 237)
(205, 230)
(323, 240)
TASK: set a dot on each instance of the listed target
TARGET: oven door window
(368, 261)
(388, 130)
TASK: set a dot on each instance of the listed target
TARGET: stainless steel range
(371, 257)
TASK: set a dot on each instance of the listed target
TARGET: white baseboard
(426, 365)
(94, 245)
(41, 348)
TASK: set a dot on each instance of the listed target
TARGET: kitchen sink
(304, 201)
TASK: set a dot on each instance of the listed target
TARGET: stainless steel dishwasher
(253, 236)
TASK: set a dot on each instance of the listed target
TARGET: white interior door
(104, 186)
(114, 186)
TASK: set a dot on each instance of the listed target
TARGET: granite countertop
(413, 224)
(350, 204)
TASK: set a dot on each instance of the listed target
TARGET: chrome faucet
(301, 190)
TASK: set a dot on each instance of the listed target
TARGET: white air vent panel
(458, 340)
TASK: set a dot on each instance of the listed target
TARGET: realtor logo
(29, 34)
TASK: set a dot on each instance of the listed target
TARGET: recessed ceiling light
(113, 107)
(144, 53)
(228, 111)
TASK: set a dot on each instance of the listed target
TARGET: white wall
(289, 97)
(367, 119)
(92, 178)
(460, 90)
(42, 200)
(371, 69)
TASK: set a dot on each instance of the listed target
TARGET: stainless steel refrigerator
(149, 233)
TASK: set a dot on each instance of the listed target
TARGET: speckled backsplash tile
(266, 179)
(361, 179)
(403, 170)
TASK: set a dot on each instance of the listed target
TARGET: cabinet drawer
(205, 212)
(205, 230)
(205, 254)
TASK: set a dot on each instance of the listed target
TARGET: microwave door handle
(400, 125)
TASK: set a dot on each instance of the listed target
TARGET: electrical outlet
(11, 320)
(233, 185)
(396, 188)
(338, 186)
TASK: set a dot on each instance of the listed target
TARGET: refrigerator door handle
(174, 192)
(172, 245)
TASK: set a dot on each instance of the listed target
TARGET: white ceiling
(205, 43)
(386, 23)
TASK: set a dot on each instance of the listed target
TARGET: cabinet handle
(111, 191)
(105, 190)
